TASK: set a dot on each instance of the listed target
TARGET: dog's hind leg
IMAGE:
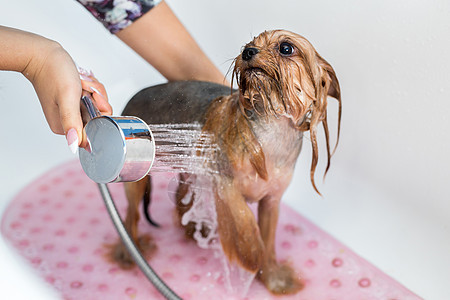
(183, 205)
(118, 253)
(185, 196)
(278, 278)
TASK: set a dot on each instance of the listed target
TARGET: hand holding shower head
(119, 148)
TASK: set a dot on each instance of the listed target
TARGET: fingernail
(85, 78)
(82, 71)
(93, 89)
(72, 140)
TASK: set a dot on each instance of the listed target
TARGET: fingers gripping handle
(89, 105)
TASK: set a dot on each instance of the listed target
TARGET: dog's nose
(248, 53)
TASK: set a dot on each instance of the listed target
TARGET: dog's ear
(329, 86)
(235, 134)
(334, 89)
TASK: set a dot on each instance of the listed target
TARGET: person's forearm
(18, 48)
(162, 40)
(55, 79)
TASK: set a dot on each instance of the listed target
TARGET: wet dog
(283, 88)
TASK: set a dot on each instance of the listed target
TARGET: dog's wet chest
(281, 144)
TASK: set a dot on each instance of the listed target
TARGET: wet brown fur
(280, 95)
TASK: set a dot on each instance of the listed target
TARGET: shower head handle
(89, 105)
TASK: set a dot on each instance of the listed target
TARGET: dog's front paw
(280, 279)
(119, 254)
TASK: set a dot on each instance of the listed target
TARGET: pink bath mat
(59, 225)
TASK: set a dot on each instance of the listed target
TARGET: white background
(387, 193)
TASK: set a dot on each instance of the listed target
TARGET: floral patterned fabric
(115, 15)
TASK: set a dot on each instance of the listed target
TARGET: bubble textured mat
(60, 226)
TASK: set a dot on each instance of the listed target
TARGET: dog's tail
(146, 203)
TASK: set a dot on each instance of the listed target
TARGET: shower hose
(131, 246)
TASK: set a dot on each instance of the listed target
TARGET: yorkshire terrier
(283, 88)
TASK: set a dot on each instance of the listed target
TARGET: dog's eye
(286, 48)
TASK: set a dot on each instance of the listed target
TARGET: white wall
(386, 195)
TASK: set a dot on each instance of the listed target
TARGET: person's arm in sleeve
(153, 31)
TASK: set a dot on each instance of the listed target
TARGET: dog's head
(280, 73)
